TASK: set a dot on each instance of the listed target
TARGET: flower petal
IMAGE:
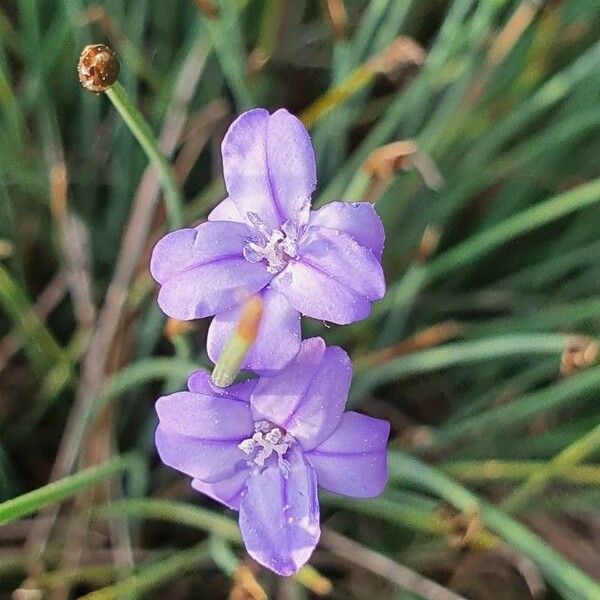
(210, 417)
(307, 397)
(279, 517)
(292, 168)
(208, 460)
(269, 166)
(357, 219)
(199, 434)
(353, 459)
(278, 338)
(202, 271)
(208, 289)
(186, 248)
(226, 210)
(335, 279)
(228, 491)
(199, 383)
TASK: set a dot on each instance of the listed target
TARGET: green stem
(518, 470)
(194, 516)
(222, 555)
(174, 512)
(562, 464)
(42, 348)
(556, 569)
(427, 521)
(230, 361)
(27, 504)
(473, 248)
(566, 391)
(144, 135)
(459, 353)
(532, 218)
(225, 36)
(150, 369)
(154, 574)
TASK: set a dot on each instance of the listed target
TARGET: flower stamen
(268, 439)
(276, 246)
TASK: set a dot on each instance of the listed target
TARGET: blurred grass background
(474, 126)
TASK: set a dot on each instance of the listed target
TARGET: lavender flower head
(261, 446)
(264, 238)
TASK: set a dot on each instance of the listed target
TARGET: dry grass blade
(427, 338)
(338, 18)
(383, 566)
(134, 241)
(46, 302)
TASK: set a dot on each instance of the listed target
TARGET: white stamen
(275, 246)
(267, 440)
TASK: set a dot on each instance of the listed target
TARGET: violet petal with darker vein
(262, 446)
(263, 238)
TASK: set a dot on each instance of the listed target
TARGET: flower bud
(98, 68)
(238, 345)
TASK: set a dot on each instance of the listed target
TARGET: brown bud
(428, 244)
(173, 328)
(338, 18)
(245, 585)
(98, 68)
(465, 528)
(250, 317)
(580, 352)
(208, 8)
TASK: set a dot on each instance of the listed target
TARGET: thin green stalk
(174, 512)
(224, 33)
(411, 517)
(222, 555)
(43, 350)
(469, 251)
(557, 315)
(518, 470)
(153, 575)
(144, 135)
(566, 391)
(564, 464)
(141, 372)
(29, 503)
(532, 218)
(411, 98)
(555, 568)
(219, 527)
(459, 353)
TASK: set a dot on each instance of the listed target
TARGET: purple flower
(261, 446)
(263, 238)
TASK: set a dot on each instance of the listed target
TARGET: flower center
(276, 246)
(268, 440)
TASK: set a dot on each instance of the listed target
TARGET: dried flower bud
(580, 352)
(173, 328)
(465, 528)
(208, 8)
(250, 319)
(98, 68)
(428, 244)
(245, 585)
(338, 18)
(385, 161)
(6, 249)
(232, 356)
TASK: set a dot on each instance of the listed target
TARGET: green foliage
(502, 102)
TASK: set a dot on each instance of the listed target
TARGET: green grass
(484, 426)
